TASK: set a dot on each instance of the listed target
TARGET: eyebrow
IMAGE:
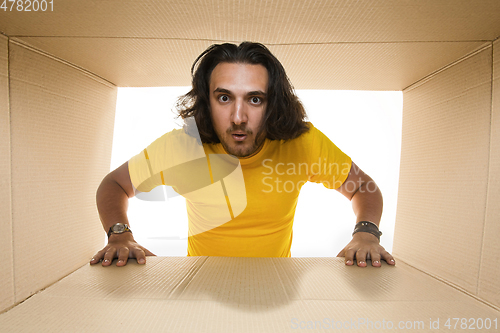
(222, 90)
(251, 93)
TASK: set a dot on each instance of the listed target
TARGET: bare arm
(112, 203)
(367, 204)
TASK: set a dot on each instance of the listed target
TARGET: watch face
(118, 228)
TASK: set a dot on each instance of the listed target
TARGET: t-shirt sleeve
(141, 175)
(147, 168)
(329, 165)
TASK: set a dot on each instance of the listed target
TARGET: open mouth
(239, 136)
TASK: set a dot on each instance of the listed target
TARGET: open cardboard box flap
(221, 294)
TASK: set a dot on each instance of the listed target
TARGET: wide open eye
(223, 98)
(255, 100)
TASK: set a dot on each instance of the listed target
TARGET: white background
(364, 124)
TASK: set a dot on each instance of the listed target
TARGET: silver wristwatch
(118, 228)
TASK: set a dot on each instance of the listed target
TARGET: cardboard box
(221, 294)
(58, 76)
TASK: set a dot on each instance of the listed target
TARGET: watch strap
(369, 227)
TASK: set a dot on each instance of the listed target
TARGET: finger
(97, 257)
(341, 253)
(388, 258)
(122, 256)
(349, 257)
(375, 256)
(140, 255)
(109, 256)
(95, 260)
(361, 258)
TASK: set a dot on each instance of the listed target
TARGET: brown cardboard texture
(59, 73)
(490, 288)
(6, 267)
(57, 136)
(453, 109)
(383, 45)
(220, 294)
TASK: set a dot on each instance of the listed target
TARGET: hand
(121, 246)
(365, 246)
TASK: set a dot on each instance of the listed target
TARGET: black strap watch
(119, 228)
(369, 227)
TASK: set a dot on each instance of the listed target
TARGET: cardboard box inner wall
(489, 286)
(61, 125)
(323, 44)
(58, 94)
(446, 183)
(6, 267)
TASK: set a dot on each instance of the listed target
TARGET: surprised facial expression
(238, 95)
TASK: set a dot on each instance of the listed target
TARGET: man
(244, 106)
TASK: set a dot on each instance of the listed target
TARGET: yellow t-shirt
(239, 207)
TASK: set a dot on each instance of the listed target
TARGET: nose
(239, 113)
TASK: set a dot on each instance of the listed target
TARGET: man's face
(238, 95)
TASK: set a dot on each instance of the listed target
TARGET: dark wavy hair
(284, 117)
